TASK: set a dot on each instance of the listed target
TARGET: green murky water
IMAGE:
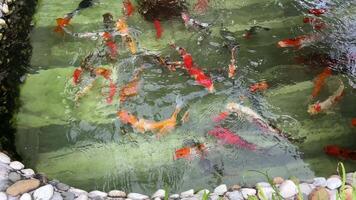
(84, 144)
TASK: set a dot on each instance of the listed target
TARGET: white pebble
(82, 197)
(159, 193)
(248, 192)
(3, 196)
(319, 182)
(235, 195)
(57, 196)
(137, 196)
(174, 196)
(26, 196)
(28, 173)
(117, 193)
(5, 9)
(188, 193)
(3, 157)
(288, 189)
(44, 193)
(332, 194)
(333, 183)
(16, 165)
(306, 188)
(220, 190)
(266, 191)
(77, 192)
(97, 193)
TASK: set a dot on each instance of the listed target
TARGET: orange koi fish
(259, 86)
(111, 45)
(232, 66)
(297, 42)
(315, 22)
(128, 8)
(353, 122)
(328, 103)
(158, 28)
(221, 116)
(76, 75)
(339, 152)
(112, 92)
(123, 29)
(142, 125)
(320, 81)
(61, 23)
(201, 6)
(104, 72)
(317, 11)
(190, 151)
(131, 88)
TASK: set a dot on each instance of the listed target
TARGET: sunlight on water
(83, 143)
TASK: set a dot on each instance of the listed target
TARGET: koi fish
(158, 28)
(253, 31)
(171, 65)
(131, 88)
(201, 6)
(317, 11)
(315, 22)
(112, 92)
(353, 122)
(320, 81)
(190, 151)
(298, 42)
(123, 30)
(185, 117)
(195, 24)
(221, 117)
(84, 91)
(128, 8)
(142, 125)
(318, 107)
(228, 137)
(111, 45)
(101, 71)
(61, 23)
(337, 151)
(76, 75)
(232, 65)
(261, 86)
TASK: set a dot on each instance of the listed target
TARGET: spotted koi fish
(190, 151)
(320, 81)
(131, 88)
(298, 42)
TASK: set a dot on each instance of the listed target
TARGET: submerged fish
(317, 24)
(320, 107)
(317, 11)
(339, 152)
(111, 45)
(131, 88)
(158, 28)
(320, 81)
(112, 92)
(298, 42)
(188, 152)
(142, 125)
(353, 122)
(123, 30)
(221, 116)
(261, 86)
(76, 75)
(226, 136)
(232, 65)
(201, 6)
(128, 8)
(193, 23)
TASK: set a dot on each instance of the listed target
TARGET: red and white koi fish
(320, 81)
(317, 11)
(298, 42)
(61, 23)
(192, 23)
(123, 30)
(261, 86)
(111, 45)
(339, 152)
(317, 24)
(76, 75)
(318, 107)
(131, 88)
(201, 6)
(190, 151)
(226, 136)
(112, 92)
(221, 116)
(353, 122)
(158, 28)
(128, 8)
(232, 65)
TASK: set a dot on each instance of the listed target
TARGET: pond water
(84, 144)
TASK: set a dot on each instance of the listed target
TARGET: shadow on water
(15, 53)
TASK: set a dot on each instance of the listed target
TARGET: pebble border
(17, 182)
(5, 11)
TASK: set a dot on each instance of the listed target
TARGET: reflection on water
(84, 144)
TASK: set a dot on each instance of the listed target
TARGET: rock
(82, 197)
(68, 195)
(28, 173)
(97, 193)
(42, 178)
(248, 192)
(235, 187)
(188, 193)
(288, 189)
(266, 191)
(16, 165)
(26, 196)
(137, 196)
(3, 196)
(4, 184)
(5, 8)
(117, 194)
(4, 175)
(14, 176)
(57, 196)
(319, 182)
(3, 157)
(62, 186)
(220, 190)
(319, 193)
(306, 188)
(333, 183)
(77, 192)
(159, 193)
(44, 193)
(22, 186)
(174, 196)
(234, 195)
(278, 180)
(332, 194)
